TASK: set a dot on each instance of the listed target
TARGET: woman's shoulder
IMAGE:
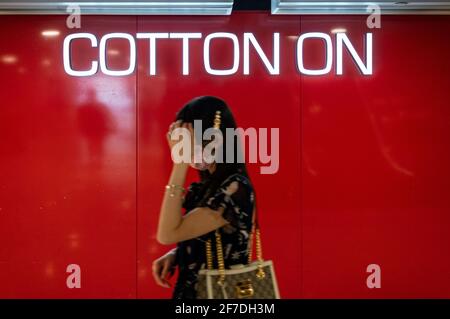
(237, 177)
(235, 182)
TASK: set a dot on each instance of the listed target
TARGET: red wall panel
(376, 180)
(68, 166)
(257, 100)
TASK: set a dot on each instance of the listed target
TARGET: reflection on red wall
(363, 176)
(68, 167)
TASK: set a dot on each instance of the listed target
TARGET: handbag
(255, 280)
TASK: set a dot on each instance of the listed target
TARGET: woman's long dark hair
(204, 108)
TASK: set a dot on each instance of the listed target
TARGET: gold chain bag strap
(256, 280)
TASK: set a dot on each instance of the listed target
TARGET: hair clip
(217, 120)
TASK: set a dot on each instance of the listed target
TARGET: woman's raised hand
(173, 139)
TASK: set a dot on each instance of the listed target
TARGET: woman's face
(199, 159)
(196, 150)
(201, 153)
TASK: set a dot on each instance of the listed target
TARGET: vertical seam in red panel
(301, 177)
(137, 163)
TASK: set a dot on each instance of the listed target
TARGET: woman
(223, 199)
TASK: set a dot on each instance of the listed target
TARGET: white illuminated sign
(207, 53)
(328, 50)
(103, 65)
(67, 54)
(272, 65)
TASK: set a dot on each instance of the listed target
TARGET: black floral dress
(236, 196)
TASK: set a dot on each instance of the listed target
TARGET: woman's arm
(173, 227)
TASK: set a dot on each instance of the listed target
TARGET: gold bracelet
(173, 187)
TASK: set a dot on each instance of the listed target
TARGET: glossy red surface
(375, 165)
(68, 167)
(363, 177)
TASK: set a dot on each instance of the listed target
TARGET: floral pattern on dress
(236, 196)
